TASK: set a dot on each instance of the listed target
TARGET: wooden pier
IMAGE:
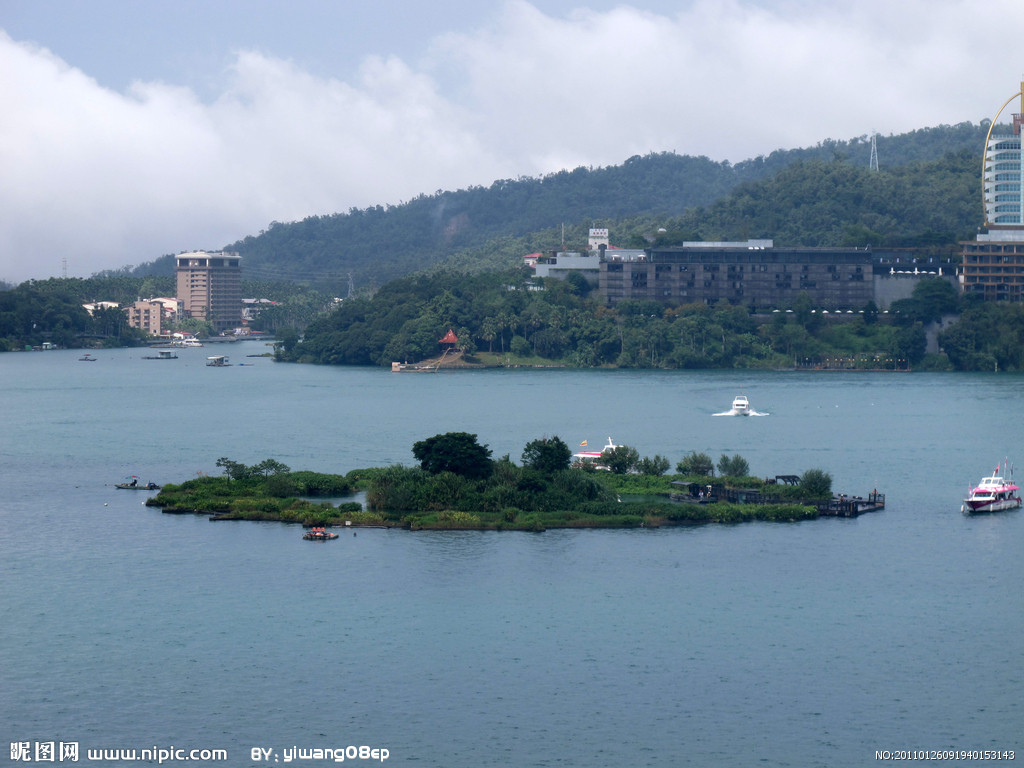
(851, 506)
(840, 505)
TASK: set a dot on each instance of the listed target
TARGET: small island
(458, 486)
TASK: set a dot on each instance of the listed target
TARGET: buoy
(105, 504)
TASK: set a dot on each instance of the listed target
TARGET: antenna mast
(874, 153)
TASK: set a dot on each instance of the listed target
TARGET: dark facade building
(754, 273)
(993, 268)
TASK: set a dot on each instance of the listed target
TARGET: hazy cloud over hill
(210, 124)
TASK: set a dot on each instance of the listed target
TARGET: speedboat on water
(741, 406)
(992, 494)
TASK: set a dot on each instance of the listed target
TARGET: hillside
(691, 197)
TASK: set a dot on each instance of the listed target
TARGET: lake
(804, 644)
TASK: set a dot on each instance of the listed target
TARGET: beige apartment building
(209, 286)
(147, 315)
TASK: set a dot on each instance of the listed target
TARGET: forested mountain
(675, 192)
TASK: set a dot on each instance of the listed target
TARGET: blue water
(810, 644)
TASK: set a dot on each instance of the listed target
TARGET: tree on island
(457, 452)
(816, 483)
(696, 464)
(547, 455)
(239, 471)
(269, 467)
(620, 459)
(656, 465)
(233, 469)
(733, 466)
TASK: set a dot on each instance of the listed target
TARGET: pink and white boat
(992, 494)
(592, 457)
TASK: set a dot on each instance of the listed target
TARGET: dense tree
(696, 464)
(653, 465)
(816, 483)
(620, 459)
(733, 466)
(547, 455)
(455, 452)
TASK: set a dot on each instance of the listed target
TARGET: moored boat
(992, 494)
(135, 485)
(87, 358)
(319, 534)
(162, 354)
(593, 457)
(217, 361)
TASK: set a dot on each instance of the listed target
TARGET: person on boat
(134, 482)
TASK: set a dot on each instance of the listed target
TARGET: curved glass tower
(993, 263)
(1001, 172)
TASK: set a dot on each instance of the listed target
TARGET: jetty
(851, 506)
(839, 505)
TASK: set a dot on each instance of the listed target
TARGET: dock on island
(851, 506)
(840, 505)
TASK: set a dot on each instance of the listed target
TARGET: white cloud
(105, 178)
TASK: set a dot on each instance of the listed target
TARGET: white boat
(741, 406)
(593, 457)
(992, 494)
(217, 361)
(186, 343)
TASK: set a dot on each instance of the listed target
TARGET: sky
(130, 130)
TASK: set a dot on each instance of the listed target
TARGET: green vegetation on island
(457, 485)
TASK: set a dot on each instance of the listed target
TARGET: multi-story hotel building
(993, 264)
(209, 285)
(754, 273)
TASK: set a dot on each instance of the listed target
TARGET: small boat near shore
(992, 494)
(135, 485)
(319, 534)
(87, 358)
